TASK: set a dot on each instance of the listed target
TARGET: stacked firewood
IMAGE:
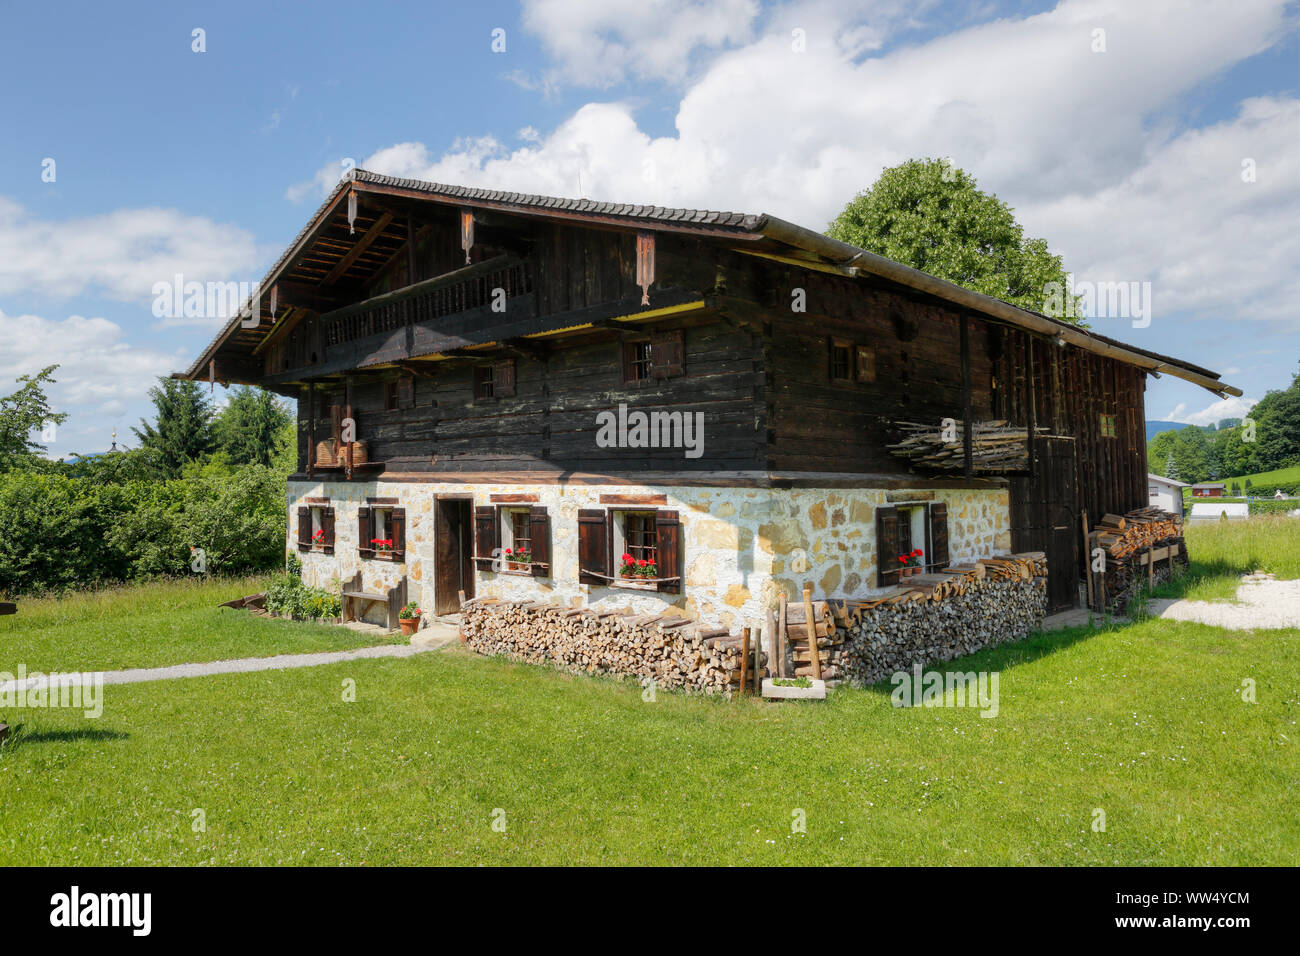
(995, 446)
(675, 652)
(1144, 546)
(932, 617)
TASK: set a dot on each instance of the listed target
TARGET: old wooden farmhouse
(667, 409)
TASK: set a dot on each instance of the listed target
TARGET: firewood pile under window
(996, 446)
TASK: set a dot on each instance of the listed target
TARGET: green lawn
(1222, 551)
(1259, 481)
(1142, 721)
(152, 625)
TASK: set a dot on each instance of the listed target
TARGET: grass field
(1259, 482)
(152, 625)
(1143, 721)
(1222, 551)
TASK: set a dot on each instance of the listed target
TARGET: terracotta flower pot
(409, 625)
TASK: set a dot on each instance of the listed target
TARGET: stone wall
(740, 546)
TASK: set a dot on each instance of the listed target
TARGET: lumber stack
(932, 617)
(677, 653)
(996, 446)
(1143, 547)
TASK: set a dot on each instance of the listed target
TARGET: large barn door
(1044, 518)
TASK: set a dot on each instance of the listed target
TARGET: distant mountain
(1155, 428)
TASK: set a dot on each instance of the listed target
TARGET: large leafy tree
(182, 429)
(928, 214)
(23, 413)
(251, 428)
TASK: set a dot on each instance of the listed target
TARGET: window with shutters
(512, 540)
(496, 380)
(316, 527)
(381, 530)
(841, 361)
(630, 548)
(903, 528)
(1108, 427)
(663, 355)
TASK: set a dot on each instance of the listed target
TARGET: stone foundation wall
(740, 546)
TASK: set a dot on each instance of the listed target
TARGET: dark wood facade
(498, 367)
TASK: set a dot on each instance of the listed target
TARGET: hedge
(58, 533)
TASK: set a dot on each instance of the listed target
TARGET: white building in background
(1165, 493)
(1215, 511)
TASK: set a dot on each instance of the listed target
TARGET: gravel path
(138, 675)
(1263, 602)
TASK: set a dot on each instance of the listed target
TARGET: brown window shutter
(668, 550)
(593, 545)
(539, 532)
(627, 349)
(304, 528)
(364, 533)
(406, 391)
(327, 525)
(887, 547)
(397, 531)
(668, 353)
(503, 378)
(938, 556)
(485, 536)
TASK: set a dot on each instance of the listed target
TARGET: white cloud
(1215, 412)
(100, 375)
(601, 42)
(121, 253)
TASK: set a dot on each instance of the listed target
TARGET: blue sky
(1127, 158)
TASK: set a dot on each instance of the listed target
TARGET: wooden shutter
(406, 391)
(364, 532)
(304, 528)
(485, 536)
(593, 545)
(887, 547)
(539, 532)
(668, 353)
(668, 548)
(503, 378)
(397, 531)
(628, 350)
(327, 525)
(938, 556)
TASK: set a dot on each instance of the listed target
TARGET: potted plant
(523, 559)
(382, 545)
(409, 619)
(911, 564)
(628, 567)
(318, 539)
(646, 569)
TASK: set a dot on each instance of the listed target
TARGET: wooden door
(453, 568)
(1045, 517)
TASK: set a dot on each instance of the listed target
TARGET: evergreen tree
(1171, 466)
(251, 428)
(182, 430)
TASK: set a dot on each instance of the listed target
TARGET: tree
(24, 412)
(250, 429)
(182, 431)
(1171, 466)
(930, 215)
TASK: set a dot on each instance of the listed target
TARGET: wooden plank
(362, 244)
(812, 642)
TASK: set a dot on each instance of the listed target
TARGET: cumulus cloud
(1215, 412)
(120, 254)
(100, 374)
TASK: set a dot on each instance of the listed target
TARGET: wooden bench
(354, 601)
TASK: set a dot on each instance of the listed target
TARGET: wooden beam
(967, 426)
(371, 234)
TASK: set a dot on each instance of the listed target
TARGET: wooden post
(1033, 400)
(811, 625)
(744, 664)
(771, 642)
(758, 668)
(781, 638)
(311, 428)
(967, 437)
(1087, 561)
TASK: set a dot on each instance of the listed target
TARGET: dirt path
(1263, 602)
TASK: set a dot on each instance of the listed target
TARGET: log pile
(1144, 547)
(931, 617)
(677, 653)
(996, 446)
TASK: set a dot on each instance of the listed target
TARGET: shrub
(289, 597)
